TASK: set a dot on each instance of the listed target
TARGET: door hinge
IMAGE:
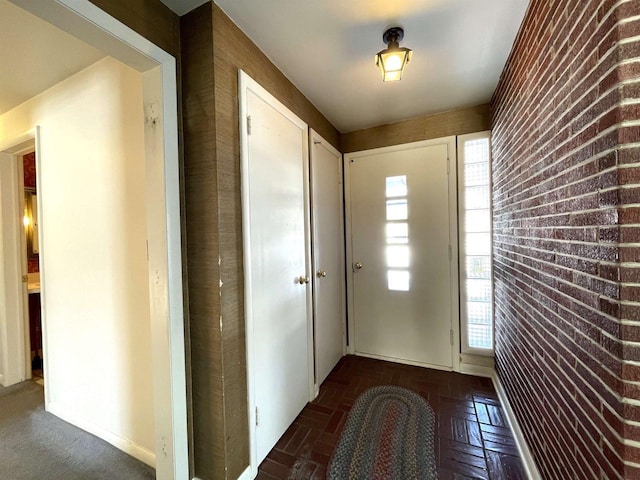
(450, 253)
(451, 337)
(258, 418)
(448, 165)
(248, 124)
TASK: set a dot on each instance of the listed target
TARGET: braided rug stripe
(389, 435)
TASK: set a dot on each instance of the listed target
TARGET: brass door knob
(302, 280)
(357, 265)
(321, 274)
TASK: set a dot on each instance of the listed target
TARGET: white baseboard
(477, 370)
(525, 454)
(127, 446)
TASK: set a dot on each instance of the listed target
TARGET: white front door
(276, 255)
(328, 255)
(403, 251)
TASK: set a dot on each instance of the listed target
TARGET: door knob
(321, 274)
(357, 265)
(303, 280)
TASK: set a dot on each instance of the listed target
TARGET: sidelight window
(476, 281)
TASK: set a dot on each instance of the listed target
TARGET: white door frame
(92, 25)
(453, 239)
(14, 331)
(245, 82)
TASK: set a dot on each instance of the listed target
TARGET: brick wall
(566, 157)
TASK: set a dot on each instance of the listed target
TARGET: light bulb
(394, 62)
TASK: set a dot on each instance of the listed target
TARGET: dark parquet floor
(473, 440)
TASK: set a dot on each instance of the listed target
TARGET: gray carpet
(35, 445)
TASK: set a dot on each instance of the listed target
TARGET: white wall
(94, 261)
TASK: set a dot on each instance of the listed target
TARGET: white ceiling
(35, 55)
(326, 48)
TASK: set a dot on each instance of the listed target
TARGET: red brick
(565, 227)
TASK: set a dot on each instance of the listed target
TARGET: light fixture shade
(392, 61)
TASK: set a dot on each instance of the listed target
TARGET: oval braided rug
(388, 436)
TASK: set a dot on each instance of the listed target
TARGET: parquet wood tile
(473, 440)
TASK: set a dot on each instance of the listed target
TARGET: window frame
(462, 254)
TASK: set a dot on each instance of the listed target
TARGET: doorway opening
(160, 220)
(31, 265)
(15, 336)
(20, 220)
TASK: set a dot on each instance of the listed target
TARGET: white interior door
(403, 244)
(277, 283)
(328, 256)
(14, 355)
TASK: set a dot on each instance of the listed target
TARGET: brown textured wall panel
(201, 209)
(150, 18)
(453, 122)
(566, 182)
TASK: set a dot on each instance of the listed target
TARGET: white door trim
(14, 337)
(453, 239)
(246, 83)
(92, 25)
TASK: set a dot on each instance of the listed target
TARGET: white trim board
(525, 454)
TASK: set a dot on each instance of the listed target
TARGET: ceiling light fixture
(393, 59)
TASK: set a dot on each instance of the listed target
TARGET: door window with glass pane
(476, 286)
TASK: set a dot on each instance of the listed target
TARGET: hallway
(473, 439)
(35, 444)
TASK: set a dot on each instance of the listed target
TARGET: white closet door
(404, 268)
(328, 255)
(277, 288)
